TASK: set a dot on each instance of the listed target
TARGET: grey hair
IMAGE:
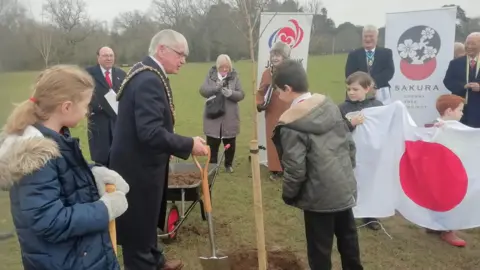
(370, 28)
(224, 58)
(474, 34)
(458, 45)
(169, 38)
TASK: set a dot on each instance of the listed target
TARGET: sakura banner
(429, 175)
(291, 28)
(422, 45)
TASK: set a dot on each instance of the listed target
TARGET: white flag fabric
(431, 176)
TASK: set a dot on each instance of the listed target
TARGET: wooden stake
(112, 228)
(254, 159)
(258, 205)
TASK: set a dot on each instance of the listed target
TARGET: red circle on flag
(432, 176)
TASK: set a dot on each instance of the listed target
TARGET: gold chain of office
(168, 90)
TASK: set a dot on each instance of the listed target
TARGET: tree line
(65, 33)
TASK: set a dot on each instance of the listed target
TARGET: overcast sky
(359, 12)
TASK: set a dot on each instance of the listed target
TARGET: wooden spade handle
(205, 188)
(109, 188)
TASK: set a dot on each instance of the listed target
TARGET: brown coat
(273, 112)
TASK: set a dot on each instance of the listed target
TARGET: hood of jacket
(23, 154)
(317, 115)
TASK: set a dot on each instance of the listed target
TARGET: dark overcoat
(455, 81)
(101, 120)
(143, 142)
(382, 70)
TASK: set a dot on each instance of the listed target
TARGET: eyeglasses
(180, 54)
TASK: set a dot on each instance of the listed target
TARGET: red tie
(473, 63)
(107, 78)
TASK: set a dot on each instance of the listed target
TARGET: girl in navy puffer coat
(58, 202)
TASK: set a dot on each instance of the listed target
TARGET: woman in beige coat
(269, 102)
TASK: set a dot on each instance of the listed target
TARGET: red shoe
(173, 265)
(452, 238)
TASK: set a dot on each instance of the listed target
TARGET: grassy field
(410, 248)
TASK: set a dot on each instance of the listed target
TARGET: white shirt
(105, 75)
(372, 50)
(160, 65)
(301, 98)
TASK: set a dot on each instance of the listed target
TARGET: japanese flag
(429, 175)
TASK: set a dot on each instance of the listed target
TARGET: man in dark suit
(463, 79)
(143, 141)
(101, 120)
(376, 61)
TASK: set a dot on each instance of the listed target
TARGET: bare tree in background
(314, 6)
(71, 18)
(42, 38)
(251, 11)
(173, 12)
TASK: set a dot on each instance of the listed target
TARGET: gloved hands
(116, 203)
(105, 176)
(219, 85)
(227, 91)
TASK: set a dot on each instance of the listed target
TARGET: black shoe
(275, 176)
(229, 169)
(372, 223)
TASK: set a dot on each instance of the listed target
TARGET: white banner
(291, 28)
(429, 175)
(422, 44)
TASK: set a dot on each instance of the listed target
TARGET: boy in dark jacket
(315, 151)
(359, 85)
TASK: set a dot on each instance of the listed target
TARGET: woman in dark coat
(223, 80)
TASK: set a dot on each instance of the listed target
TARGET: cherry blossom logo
(418, 48)
(291, 35)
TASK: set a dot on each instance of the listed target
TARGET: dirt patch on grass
(184, 179)
(277, 260)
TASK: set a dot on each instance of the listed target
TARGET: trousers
(320, 229)
(214, 144)
(149, 258)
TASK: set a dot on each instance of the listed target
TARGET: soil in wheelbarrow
(184, 179)
(277, 260)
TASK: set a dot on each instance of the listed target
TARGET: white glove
(227, 92)
(116, 203)
(104, 176)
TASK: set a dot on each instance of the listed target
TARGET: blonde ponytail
(21, 117)
(53, 86)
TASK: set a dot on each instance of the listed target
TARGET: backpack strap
(140, 67)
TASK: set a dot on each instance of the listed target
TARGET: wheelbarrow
(188, 196)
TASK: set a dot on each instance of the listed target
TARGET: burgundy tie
(473, 63)
(107, 78)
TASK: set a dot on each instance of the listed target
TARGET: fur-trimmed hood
(21, 155)
(316, 115)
